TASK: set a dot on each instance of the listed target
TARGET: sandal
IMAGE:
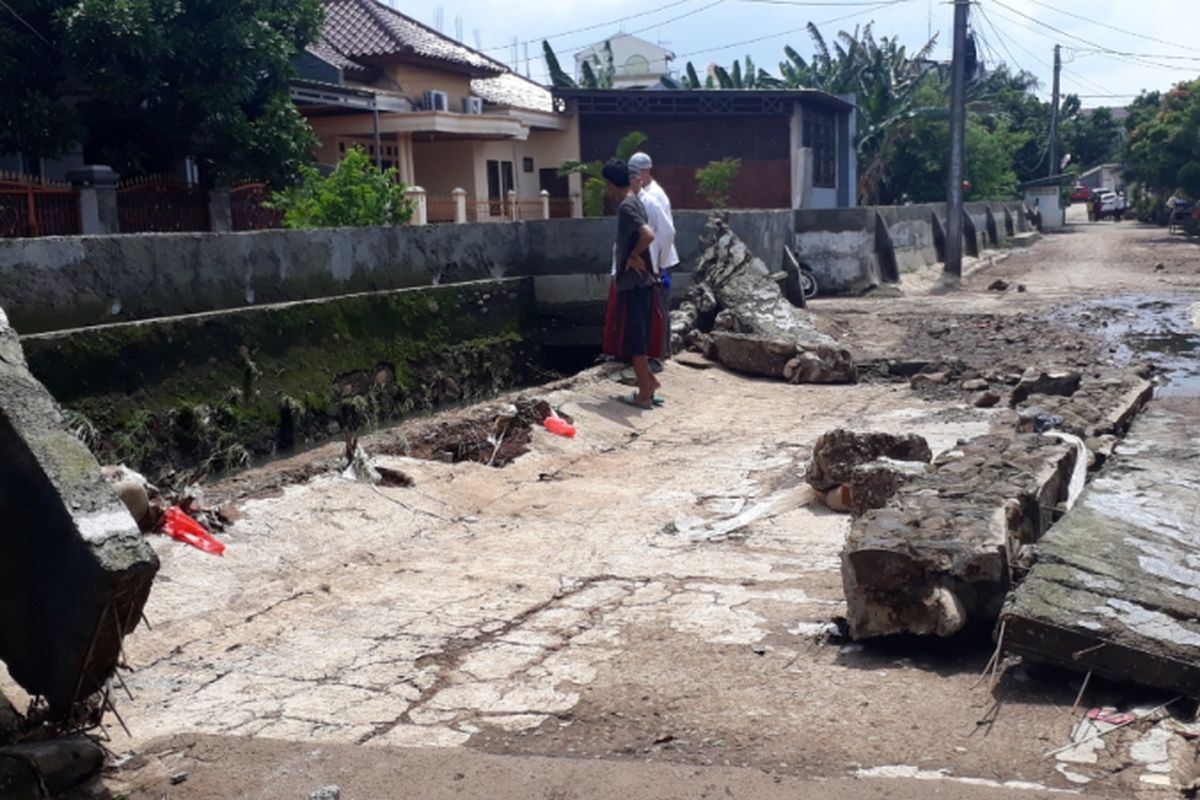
(631, 400)
(658, 402)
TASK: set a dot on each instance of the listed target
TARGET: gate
(161, 204)
(33, 207)
(248, 209)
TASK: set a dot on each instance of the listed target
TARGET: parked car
(1111, 204)
(1080, 194)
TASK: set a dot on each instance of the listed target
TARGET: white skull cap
(641, 161)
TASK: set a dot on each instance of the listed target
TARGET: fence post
(545, 195)
(512, 206)
(420, 205)
(577, 206)
(97, 187)
(220, 210)
(460, 205)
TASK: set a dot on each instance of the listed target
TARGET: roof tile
(366, 28)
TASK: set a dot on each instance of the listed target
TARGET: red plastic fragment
(179, 526)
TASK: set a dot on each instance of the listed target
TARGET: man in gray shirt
(633, 323)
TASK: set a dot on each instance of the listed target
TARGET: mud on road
(656, 594)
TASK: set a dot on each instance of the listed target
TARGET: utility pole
(1054, 167)
(958, 130)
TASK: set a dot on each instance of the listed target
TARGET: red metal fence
(33, 207)
(247, 207)
(161, 204)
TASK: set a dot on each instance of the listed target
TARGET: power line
(24, 22)
(1077, 77)
(609, 23)
(999, 38)
(1088, 42)
(714, 4)
(1114, 28)
(877, 6)
(809, 3)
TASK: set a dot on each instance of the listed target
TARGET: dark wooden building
(796, 146)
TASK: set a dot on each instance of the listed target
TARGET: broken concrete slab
(1113, 589)
(1102, 403)
(755, 329)
(76, 570)
(941, 553)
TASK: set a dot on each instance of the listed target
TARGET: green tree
(142, 83)
(356, 193)
(916, 154)
(1093, 138)
(593, 180)
(716, 180)
(1163, 153)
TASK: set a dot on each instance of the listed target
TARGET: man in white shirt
(663, 253)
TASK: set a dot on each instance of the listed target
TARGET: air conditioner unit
(472, 105)
(437, 101)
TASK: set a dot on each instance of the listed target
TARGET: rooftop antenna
(527, 59)
(439, 17)
(515, 61)
(478, 39)
(458, 28)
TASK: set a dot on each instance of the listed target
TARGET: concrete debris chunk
(75, 571)
(838, 454)
(1062, 384)
(333, 792)
(940, 555)
(737, 314)
(1114, 587)
(57, 766)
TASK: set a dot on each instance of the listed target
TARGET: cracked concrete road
(638, 611)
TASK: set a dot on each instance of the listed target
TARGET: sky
(1112, 49)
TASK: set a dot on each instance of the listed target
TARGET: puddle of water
(1158, 328)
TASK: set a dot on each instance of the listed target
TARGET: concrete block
(1113, 589)
(939, 556)
(75, 570)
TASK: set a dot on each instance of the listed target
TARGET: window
(637, 65)
(820, 133)
(500, 179)
(527, 164)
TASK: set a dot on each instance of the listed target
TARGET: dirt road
(644, 610)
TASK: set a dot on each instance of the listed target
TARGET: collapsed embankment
(192, 353)
(211, 391)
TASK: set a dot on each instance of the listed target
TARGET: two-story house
(445, 115)
(636, 62)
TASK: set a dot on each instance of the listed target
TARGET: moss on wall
(191, 395)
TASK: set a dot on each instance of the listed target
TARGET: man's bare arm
(645, 237)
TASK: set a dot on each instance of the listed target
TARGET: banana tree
(593, 181)
(596, 72)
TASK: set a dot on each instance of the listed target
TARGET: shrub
(716, 179)
(356, 193)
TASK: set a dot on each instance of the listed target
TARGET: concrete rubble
(47, 769)
(736, 313)
(942, 553)
(75, 569)
(1113, 590)
(859, 471)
